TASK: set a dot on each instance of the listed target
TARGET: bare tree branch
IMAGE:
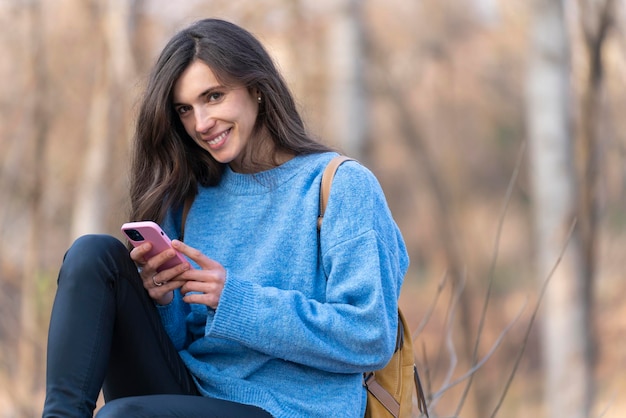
(608, 405)
(532, 320)
(496, 251)
(431, 309)
(449, 341)
(487, 356)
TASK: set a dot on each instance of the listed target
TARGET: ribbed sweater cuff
(236, 308)
(170, 313)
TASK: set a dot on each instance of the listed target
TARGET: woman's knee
(95, 245)
(96, 253)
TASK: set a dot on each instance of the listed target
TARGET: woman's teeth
(219, 138)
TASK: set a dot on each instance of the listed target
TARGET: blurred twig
(426, 374)
(532, 320)
(449, 341)
(608, 405)
(480, 363)
(494, 260)
(431, 309)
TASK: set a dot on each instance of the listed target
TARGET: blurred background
(494, 126)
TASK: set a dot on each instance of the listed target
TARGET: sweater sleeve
(173, 316)
(364, 260)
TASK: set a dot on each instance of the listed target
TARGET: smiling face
(219, 118)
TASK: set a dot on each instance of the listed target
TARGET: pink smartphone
(140, 232)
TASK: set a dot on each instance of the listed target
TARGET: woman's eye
(213, 97)
(183, 109)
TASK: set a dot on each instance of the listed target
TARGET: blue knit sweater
(300, 317)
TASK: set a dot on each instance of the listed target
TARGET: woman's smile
(218, 141)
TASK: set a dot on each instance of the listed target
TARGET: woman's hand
(160, 285)
(208, 282)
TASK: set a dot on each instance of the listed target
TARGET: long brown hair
(167, 165)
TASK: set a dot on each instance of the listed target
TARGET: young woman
(267, 318)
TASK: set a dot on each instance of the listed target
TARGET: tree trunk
(346, 110)
(565, 336)
(596, 20)
(108, 106)
(28, 348)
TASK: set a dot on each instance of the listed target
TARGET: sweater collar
(264, 181)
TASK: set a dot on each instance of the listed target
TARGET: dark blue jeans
(105, 333)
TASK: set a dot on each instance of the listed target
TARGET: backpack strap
(381, 394)
(327, 181)
(385, 398)
(421, 397)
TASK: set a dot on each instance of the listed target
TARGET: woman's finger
(202, 286)
(138, 253)
(196, 255)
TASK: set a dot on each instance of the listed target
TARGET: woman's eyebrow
(204, 93)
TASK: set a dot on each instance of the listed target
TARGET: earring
(259, 99)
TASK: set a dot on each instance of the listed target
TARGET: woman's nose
(204, 121)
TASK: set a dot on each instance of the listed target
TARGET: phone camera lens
(134, 235)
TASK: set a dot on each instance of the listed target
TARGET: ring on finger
(155, 282)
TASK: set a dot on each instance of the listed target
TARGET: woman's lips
(218, 140)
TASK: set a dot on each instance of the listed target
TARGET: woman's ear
(257, 95)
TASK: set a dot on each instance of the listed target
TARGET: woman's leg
(105, 328)
(178, 406)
